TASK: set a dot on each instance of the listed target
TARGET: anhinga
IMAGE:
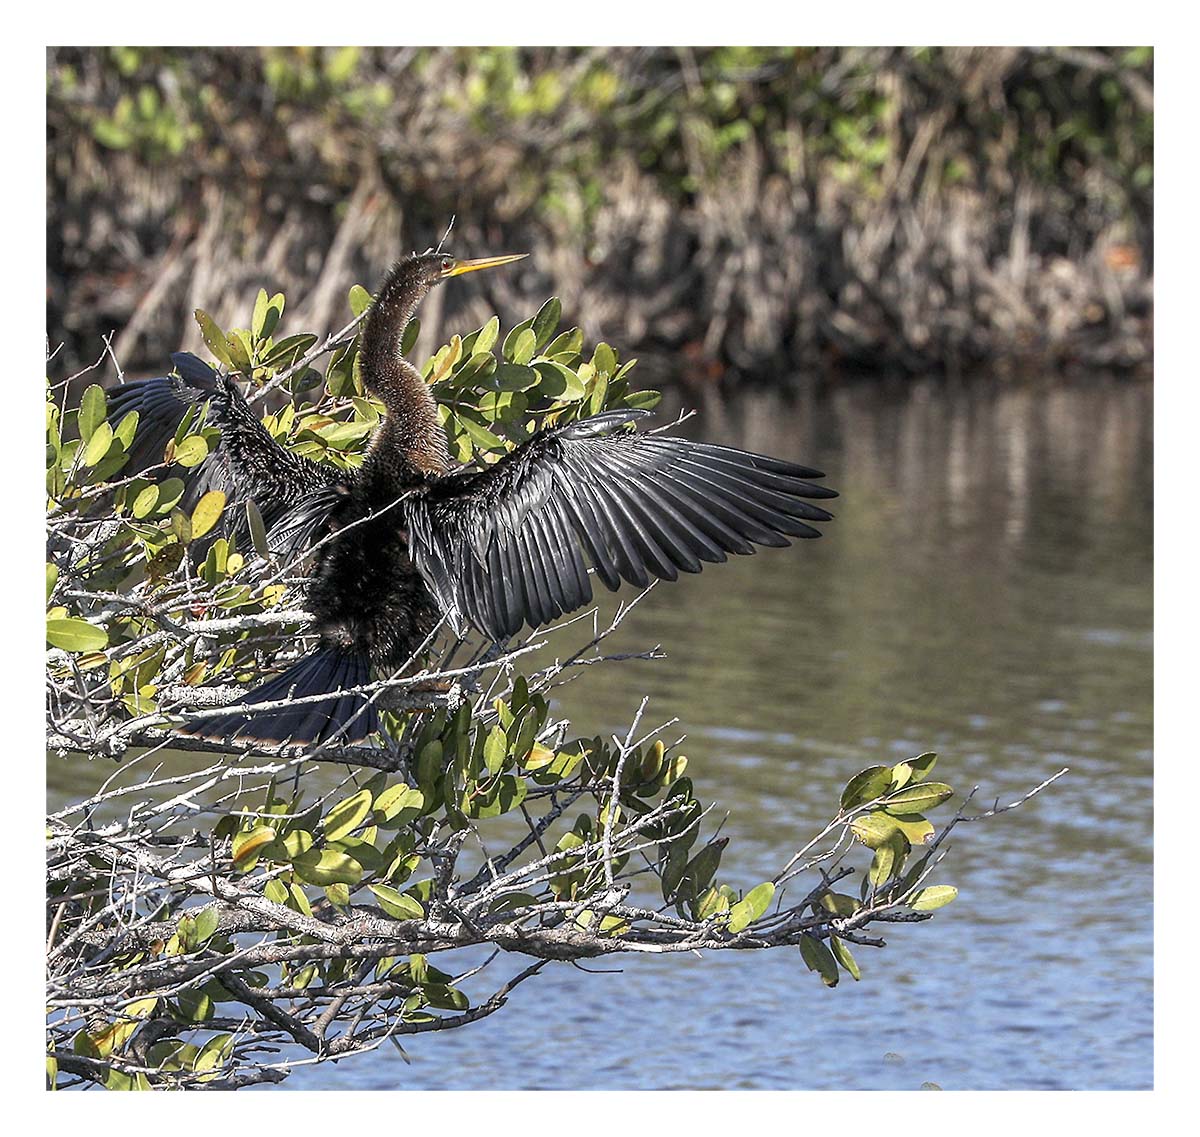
(411, 538)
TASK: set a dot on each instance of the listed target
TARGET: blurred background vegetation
(730, 214)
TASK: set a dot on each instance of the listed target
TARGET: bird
(411, 538)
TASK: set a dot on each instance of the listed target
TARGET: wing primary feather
(591, 530)
(729, 511)
(628, 561)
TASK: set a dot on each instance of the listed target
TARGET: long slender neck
(410, 439)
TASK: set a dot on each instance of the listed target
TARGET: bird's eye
(447, 264)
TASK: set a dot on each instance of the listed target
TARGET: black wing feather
(509, 545)
(247, 465)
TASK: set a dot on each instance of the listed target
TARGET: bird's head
(435, 267)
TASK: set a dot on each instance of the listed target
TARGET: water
(985, 593)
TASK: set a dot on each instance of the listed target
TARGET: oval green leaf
(347, 815)
(72, 634)
(751, 906)
(397, 904)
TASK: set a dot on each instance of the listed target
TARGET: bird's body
(409, 539)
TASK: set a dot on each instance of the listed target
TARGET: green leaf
(567, 343)
(914, 827)
(486, 339)
(515, 377)
(866, 786)
(495, 749)
(751, 906)
(702, 868)
(72, 634)
(214, 1053)
(604, 360)
(276, 891)
(51, 579)
(191, 451)
(84, 1046)
(902, 774)
(843, 955)
(922, 765)
(918, 798)
(430, 763)
(409, 339)
(523, 346)
(643, 400)
(258, 320)
(146, 501)
(288, 350)
(932, 898)
(327, 867)
(117, 1080)
(127, 429)
(889, 858)
(712, 902)
(238, 343)
(207, 512)
(214, 337)
(92, 410)
(510, 341)
(508, 793)
(559, 382)
(397, 904)
(169, 494)
(97, 446)
(839, 904)
(258, 529)
(343, 432)
(398, 804)
(360, 299)
(207, 921)
(873, 829)
(819, 958)
(289, 847)
(480, 435)
(338, 895)
(347, 815)
(545, 323)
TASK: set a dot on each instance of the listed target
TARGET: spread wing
(247, 465)
(511, 544)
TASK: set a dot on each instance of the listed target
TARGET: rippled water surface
(985, 593)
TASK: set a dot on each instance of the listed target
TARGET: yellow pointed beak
(460, 267)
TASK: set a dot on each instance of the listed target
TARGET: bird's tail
(342, 718)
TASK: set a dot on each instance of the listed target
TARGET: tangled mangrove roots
(743, 211)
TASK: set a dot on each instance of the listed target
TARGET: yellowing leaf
(72, 634)
(932, 898)
(918, 798)
(248, 843)
(207, 512)
(191, 451)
